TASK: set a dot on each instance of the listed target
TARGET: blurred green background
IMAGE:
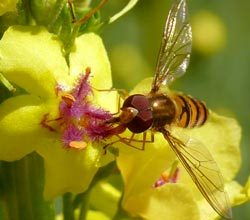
(219, 72)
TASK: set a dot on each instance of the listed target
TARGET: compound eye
(137, 101)
(141, 122)
(144, 118)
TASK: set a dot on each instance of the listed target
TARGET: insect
(157, 111)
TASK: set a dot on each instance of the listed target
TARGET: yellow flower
(33, 59)
(181, 199)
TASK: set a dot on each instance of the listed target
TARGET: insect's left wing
(204, 171)
(175, 50)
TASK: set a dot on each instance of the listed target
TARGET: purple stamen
(71, 133)
(82, 121)
(82, 88)
(163, 179)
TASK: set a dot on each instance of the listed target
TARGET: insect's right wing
(175, 50)
(204, 171)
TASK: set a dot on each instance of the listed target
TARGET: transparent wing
(175, 50)
(204, 171)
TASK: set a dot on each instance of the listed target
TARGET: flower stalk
(120, 212)
(68, 210)
(84, 204)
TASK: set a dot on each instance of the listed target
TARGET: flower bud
(209, 33)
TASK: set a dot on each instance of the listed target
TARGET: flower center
(79, 120)
(168, 176)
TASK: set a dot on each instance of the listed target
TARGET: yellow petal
(221, 136)
(247, 188)
(67, 170)
(171, 201)
(90, 52)
(96, 215)
(105, 197)
(33, 58)
(140, 169)
(20, 128)
(236, 196)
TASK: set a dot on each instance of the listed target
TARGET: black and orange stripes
(190, 112)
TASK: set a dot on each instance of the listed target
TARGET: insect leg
(122, 95)
(143, 141)
(122, 92)
(126, 141)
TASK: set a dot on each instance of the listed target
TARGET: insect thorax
(163, 110)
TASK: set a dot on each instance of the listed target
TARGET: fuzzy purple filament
(82, 121)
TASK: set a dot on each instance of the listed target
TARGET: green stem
(7, 84)
(82, 199)
(41, 209)
(22, 190)
(9, 195)
(120, 213)
(84, 205)
(27, 12)
(68, 210)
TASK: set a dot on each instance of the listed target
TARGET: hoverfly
(157, 111)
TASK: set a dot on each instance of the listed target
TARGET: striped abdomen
(190, 112)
